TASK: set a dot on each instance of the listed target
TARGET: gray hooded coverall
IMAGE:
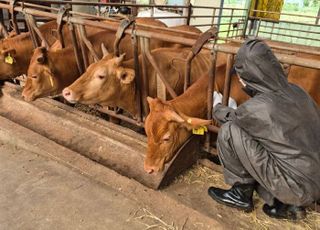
(274, 137)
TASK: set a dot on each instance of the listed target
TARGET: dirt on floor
(205, 177)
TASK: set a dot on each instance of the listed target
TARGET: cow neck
(127, 99)
(63, 67)
(193, 102)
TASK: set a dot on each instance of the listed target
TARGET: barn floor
(45, 185)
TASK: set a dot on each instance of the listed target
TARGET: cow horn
(120, 59)
(104, 50)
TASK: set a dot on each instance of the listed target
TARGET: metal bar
(138, 80)
(318, 17)
(293, 36)
(288, 29)
(281, 13)
(83, 50)
(258, 27)
(278, 21)
(31, 31)
(189, 13)
(88, 43)
(284, 58)
(3, 30)
(213, 128)
(303, 49)
(227, 81)
(37, 31)
(120, 116)
(187, 71)
(230, 22)
(211, 83)
(145, 84)
(157, 69)
(213, 16)
(76, 48)
(13, 19)
(160, 33)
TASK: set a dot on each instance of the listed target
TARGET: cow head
(102, 83)
(41, 80)
(167, 130)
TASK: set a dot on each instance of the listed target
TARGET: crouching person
(271, 143)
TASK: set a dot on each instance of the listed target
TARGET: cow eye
(101, 77)
(123, 76)
(34, 76)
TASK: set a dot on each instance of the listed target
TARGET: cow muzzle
(68, 94)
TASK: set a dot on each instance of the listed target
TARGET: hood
(259, 68)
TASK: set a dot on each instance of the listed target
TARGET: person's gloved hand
(220, 112)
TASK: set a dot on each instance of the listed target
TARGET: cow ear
(188, 122)
(196, 123)
(126, 76)
(171, 115)
(56, 46)
(10, 51)
(41, 55)
(119, 60)
(104, 50)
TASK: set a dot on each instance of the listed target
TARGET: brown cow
(20, 48)
(111, 82)
(49, 73)
(59, 69)
(169, 122)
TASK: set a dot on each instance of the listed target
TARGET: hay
(151, 221)
(255, 220)
(202, 176)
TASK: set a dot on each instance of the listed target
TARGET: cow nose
(149, 169)
(67, 93)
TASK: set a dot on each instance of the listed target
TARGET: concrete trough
(116, 147)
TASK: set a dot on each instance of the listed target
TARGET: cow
(59, 69)
(169, 123)
(16, 51)
(110, 82)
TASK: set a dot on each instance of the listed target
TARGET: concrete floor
(37, 193)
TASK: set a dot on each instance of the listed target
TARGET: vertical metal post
(258, 27)
(318, 17)
(213, 16)
(211, 83)
(138, 80)
(189, 13)
(227, 82)
(31, 31)
(244, 32)
(83, 50)
(76, 48)
(231, 17)
(145, 83)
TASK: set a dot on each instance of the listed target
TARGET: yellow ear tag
(200, 131)
(8, 59)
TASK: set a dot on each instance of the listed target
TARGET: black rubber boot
(239, 196)
(280, 210)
